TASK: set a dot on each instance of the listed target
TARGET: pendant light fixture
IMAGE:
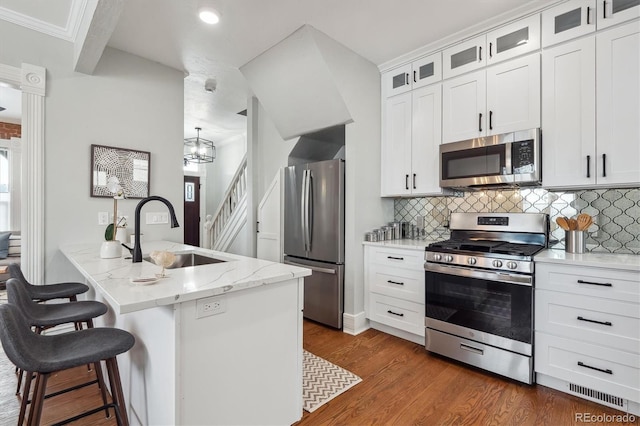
(199, 150)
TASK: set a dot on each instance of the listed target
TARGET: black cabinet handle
(582, 364)
(414, 181)
(594, 321)
(604, 165)
(395, 258)
(395, 313)
(415, 77)
(604, 9)
(594, 283)
(588, 166)
(490, 48)
(479, 53)
(406, 181)
(588, 15)
(480, 122)
(406, 78)
(490, 120)
(395, 282)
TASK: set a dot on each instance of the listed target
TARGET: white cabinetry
(412, 134)
(503, 98)
(464, 57)
(587, 323)
(603, 67)
(612, 12)
(514, 39)
(419, 73)
(394, 291)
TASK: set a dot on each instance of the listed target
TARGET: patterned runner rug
(322, 381)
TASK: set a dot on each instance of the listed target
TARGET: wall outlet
(157, 218)
(103, 218)
(210, 306)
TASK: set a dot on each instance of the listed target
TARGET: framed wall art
(131, 167)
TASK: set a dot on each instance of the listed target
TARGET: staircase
(231, 216)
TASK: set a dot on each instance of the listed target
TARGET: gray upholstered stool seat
(43, 354)
(50, 291)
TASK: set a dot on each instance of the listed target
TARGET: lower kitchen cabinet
(394, 290)
(587, 333)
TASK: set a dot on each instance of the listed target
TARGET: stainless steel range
(479, 291)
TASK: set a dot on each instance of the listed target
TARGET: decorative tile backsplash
(616, 212)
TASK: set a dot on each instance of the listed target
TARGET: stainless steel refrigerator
(314, 235)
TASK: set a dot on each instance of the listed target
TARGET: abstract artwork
(129, 166)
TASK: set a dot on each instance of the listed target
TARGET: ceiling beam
(98, 22)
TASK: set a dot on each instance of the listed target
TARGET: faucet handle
(128, 248)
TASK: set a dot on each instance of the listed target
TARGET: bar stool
(49, 291)
(43, 316)
(45, 354)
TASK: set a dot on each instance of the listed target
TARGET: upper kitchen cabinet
(513, 40)
(503, 98)
(411, 136)
(612, 12)
(568, 20)
(464, 57)
(419, 73)
(618, 105)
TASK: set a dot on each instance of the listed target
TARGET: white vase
(110, 249)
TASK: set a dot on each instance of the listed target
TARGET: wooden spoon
(573, 224)
(584, 221)
(562, 223)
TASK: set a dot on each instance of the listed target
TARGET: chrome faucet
(136, 251)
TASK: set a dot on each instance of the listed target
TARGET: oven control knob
(471, 261)
(437, 257)
(448, 258)
(512, 265)
(497, 263)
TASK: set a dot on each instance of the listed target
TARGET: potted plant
(111, 247)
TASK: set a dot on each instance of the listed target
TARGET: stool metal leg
(24, 401)
(35, 413)
(103, 389)
(116, 391)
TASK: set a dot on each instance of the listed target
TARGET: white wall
(129, 102)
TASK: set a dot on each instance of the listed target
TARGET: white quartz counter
(628, 262)
(419, 245)
(112, 277)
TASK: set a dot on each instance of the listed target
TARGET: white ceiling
(169, 32)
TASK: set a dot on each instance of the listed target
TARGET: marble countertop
(403, 244)
(628, 262)
(112, 277)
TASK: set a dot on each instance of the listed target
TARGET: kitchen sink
(184, 260)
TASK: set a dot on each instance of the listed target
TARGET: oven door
(495, 308)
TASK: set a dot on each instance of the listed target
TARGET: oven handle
(505, 277)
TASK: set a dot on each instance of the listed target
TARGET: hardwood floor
(401, 385)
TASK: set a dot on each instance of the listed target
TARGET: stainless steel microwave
(510, 159)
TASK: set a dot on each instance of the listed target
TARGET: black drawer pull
(395, 282)
(582, 364)
(592, 283)
(395, 258)
(588, 166)
(604, 165)
(594, 321)
(395, 313)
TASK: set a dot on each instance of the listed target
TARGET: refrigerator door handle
(313, 268)
(303, 209)
(310, 208)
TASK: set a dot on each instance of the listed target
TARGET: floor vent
(597, 395)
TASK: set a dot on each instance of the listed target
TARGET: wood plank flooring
(402, 385)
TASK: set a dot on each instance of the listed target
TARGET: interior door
(269, 238)
(192, 210)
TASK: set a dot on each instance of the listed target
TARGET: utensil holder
(575, 242)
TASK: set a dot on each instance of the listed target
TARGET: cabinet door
(514, 39)
(568, 20)
(396, 146)
(464, 57)
(618, 105)
(426, 138)
(513, 95)
(427, 70)
(612, 12)
(463, 106)
(568, 114)
(396, 81)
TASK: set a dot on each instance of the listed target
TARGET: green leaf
(108, 233)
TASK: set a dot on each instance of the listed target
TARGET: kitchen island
(219, 343)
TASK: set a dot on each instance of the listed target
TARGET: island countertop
(112, 277)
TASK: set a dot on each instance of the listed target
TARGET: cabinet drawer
(402, 283)
(407, 316)
(599, 282)
(606, 322)
(597, 367)
(412, 259)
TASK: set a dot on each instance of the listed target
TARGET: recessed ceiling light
(208, 13)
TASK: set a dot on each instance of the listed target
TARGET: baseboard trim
(354, 324)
